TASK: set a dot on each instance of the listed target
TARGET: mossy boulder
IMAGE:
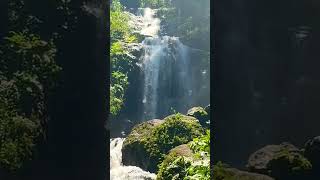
(182, 150)
(174, 164)
(182, 163)
(283, 161)
(149, 142)
(224, 172)
(200, 114)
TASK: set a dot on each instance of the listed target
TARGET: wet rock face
(280, 161)
(312, 152)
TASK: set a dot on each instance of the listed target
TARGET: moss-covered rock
(182, 150)
(200, 114)
(283, 161)
(224, 172)
(187, 162)
(182, 163)
(173, 166)
(148, 142)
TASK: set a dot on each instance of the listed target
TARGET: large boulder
(312, 152)
(200, 114)
(148, 142)
(283, 161)
(134, 151)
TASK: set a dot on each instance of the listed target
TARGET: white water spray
(120, 172)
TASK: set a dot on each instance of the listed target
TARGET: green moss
(17, 139)
(176, 130)
(180, 164)
(157, 140)
(287, 164)
(200, 114)
(224, 172)
(173, 167)
(220, 172)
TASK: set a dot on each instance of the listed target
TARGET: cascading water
(166, 71)
(120, 172)
(167, 77)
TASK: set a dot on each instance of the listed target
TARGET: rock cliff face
(266, 82)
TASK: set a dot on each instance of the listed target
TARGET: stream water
(120, 172)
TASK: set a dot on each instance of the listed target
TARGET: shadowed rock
(283, 161)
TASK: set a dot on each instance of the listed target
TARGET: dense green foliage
(121, 63)
(287, 165)
(17, 138)
(176, 166)
(119, 27)
(177, 129)
(28, 75)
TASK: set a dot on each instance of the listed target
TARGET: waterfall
(167, 77)
(120, 172)
(169, 82)
(166, 71)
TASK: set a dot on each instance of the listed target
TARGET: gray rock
(200, 114)
(312, 151)
(280, 161)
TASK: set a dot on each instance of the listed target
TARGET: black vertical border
(213, 76)
(108, 168)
